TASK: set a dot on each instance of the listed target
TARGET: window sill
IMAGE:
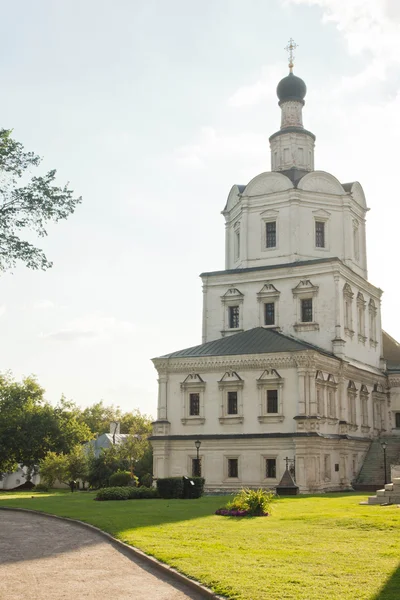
(226, 332)
(276, 327)
(272, 418)
(193, 421)
(231, 420)
(306, 326)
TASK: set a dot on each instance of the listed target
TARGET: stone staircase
(371, 475)
(389, 495)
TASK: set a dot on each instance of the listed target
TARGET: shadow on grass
(391, 589)
(118, 516)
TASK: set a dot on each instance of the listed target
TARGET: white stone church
(292, 363)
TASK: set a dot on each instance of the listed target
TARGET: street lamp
(384, 446)
(198, 470)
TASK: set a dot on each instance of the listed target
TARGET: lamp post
(384, 446)
(198, 470)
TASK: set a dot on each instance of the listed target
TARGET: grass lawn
(311, 548)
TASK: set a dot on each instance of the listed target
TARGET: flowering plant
(253, 503)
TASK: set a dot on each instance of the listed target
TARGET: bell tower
(292, 147)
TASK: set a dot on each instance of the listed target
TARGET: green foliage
(143, 493)
(64, 467)
(126, 493)
(27, 204)
(170, 487)
(54, 467)
(30, 427)
(146, 480)
(101, 468)
(195, 489)
(113, 493)
(99, 416)
(41, 487)
(78, 464)
(120, 478)
(255, 502)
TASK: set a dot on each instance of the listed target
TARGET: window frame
(305, 290)
(268, 295)
(231, 382)
(270, 380)
(270, 304)
(229, 462)
(303, 310)
(320, 234)
(193, 384)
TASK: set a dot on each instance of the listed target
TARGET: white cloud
(212, 146)
(43, 304)
(367, 25)
(3, 309)
(95, 326)
(250, 95)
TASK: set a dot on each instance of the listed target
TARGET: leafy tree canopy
(27, 203)
(30, 426)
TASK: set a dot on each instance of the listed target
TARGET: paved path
(47, 559)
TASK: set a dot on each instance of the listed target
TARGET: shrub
(146, 479)
(113, 493)
(255, 502)
(195, 489)
(170, 487)
(41, 487)
(142, 493)
(120, 479)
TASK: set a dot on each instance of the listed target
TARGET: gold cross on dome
(290, 48)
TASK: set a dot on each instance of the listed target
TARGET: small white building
(291, 363)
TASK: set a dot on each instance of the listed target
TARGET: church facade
(291, 364)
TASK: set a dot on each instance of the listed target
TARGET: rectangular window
(320, 234)
(397, 417)
(272, 401)
(233, 317)
(196, 467)
(233, 467)
(232, 403)
(270, 313)
(270, 468)
(194, 405)
(271, 234)
(306, 310)
(352, 409)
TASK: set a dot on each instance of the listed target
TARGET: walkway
(48, 559)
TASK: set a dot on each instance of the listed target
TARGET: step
(374, 500)
(381, 493)
(389, 487)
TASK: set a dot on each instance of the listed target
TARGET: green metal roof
(254, 341)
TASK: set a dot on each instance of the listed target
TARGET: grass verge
(311, 548)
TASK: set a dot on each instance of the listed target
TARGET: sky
(152, 110)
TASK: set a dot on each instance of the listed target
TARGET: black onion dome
(291, 88)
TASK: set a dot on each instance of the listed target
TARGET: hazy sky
(152, 110)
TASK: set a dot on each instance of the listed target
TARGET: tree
(64, 467)
(54, 467)
(30, 427)
(27, 204)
